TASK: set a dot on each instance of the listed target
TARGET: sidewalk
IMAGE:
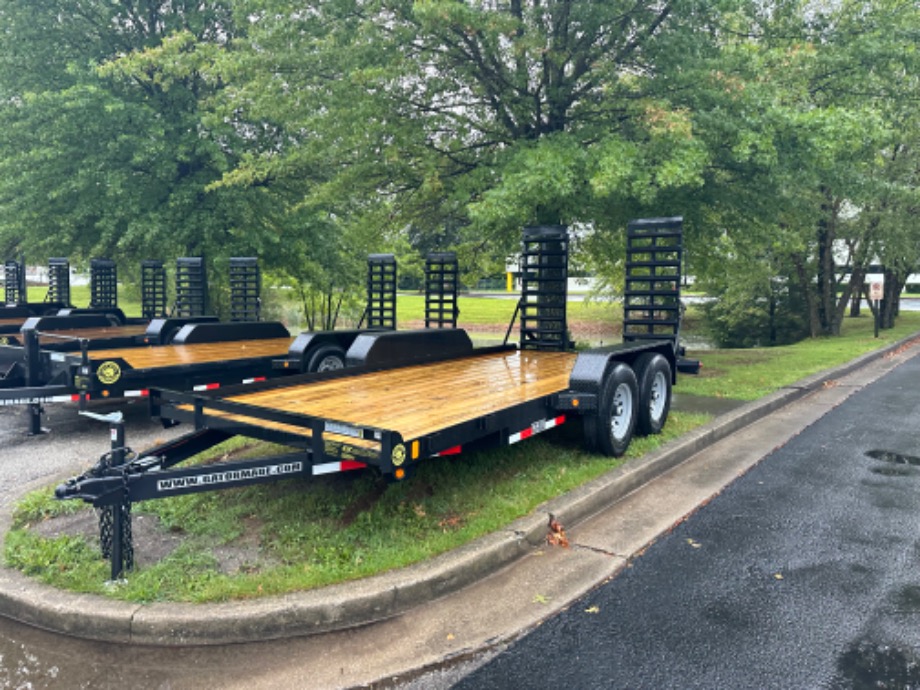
(482, 594)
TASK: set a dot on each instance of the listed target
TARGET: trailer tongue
(409, 396)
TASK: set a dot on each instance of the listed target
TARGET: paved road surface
(804, 573)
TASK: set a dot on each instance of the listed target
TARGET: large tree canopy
(103, 146)
(784, 132)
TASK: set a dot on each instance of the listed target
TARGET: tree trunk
(810, 301)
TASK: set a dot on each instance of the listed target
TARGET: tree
(793, 111)
(103, 145)
(467, 117)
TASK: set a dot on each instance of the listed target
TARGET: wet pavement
(801, 574)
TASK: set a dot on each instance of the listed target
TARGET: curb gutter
(382, 596)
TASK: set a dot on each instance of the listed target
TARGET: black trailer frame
(615, 390)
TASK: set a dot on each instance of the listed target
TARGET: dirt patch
(362, 504)
(153, 542)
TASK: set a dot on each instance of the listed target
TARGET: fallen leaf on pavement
(556, 535)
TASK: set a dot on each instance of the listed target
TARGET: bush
(776, 316)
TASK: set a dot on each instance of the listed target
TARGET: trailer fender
(391, 348)
(314, 351)
(64, 323)
(114, 313)
(161, 331)
(225, 332)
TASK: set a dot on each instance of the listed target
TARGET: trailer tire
(610, 429)
(327, 358)
(653, 374)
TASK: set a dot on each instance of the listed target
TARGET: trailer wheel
(610, 429)
(653, 374)
(327, 358)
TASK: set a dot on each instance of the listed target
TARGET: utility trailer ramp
(415, 401)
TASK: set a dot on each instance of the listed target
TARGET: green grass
(494, 311)
(751, 374)
(307, 534)
(322, 531)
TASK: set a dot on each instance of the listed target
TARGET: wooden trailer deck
(197, 353)
(418, 400)
(99, 333)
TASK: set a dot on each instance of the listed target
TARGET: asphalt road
(803, 573)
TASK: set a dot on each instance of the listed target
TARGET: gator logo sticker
(399, 455)
(108, 373)
(4, 341)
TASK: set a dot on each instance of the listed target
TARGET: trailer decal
(536, 428)
(108, 372)
(228, 477)
(343, 429)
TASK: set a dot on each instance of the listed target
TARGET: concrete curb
(379, 597)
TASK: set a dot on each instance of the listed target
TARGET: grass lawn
(297, 534)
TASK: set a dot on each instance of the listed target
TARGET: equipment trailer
(413, 395)
(193, 352)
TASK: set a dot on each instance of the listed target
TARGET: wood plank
(420, 400)
(198, 353)
(98, 333)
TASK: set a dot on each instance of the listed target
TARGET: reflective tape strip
(207, 387)
(257, 379)
(35, 401)
(343, 466)
(450, 451)
(137, 394)
(536, 428)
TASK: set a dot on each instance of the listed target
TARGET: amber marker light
(415, 450)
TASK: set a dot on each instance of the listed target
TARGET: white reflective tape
(536, 428)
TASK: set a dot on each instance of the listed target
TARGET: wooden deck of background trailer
(154, 357)
(419, 400)
(99, 333)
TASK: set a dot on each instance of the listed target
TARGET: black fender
(394, 348)
(226, 332)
